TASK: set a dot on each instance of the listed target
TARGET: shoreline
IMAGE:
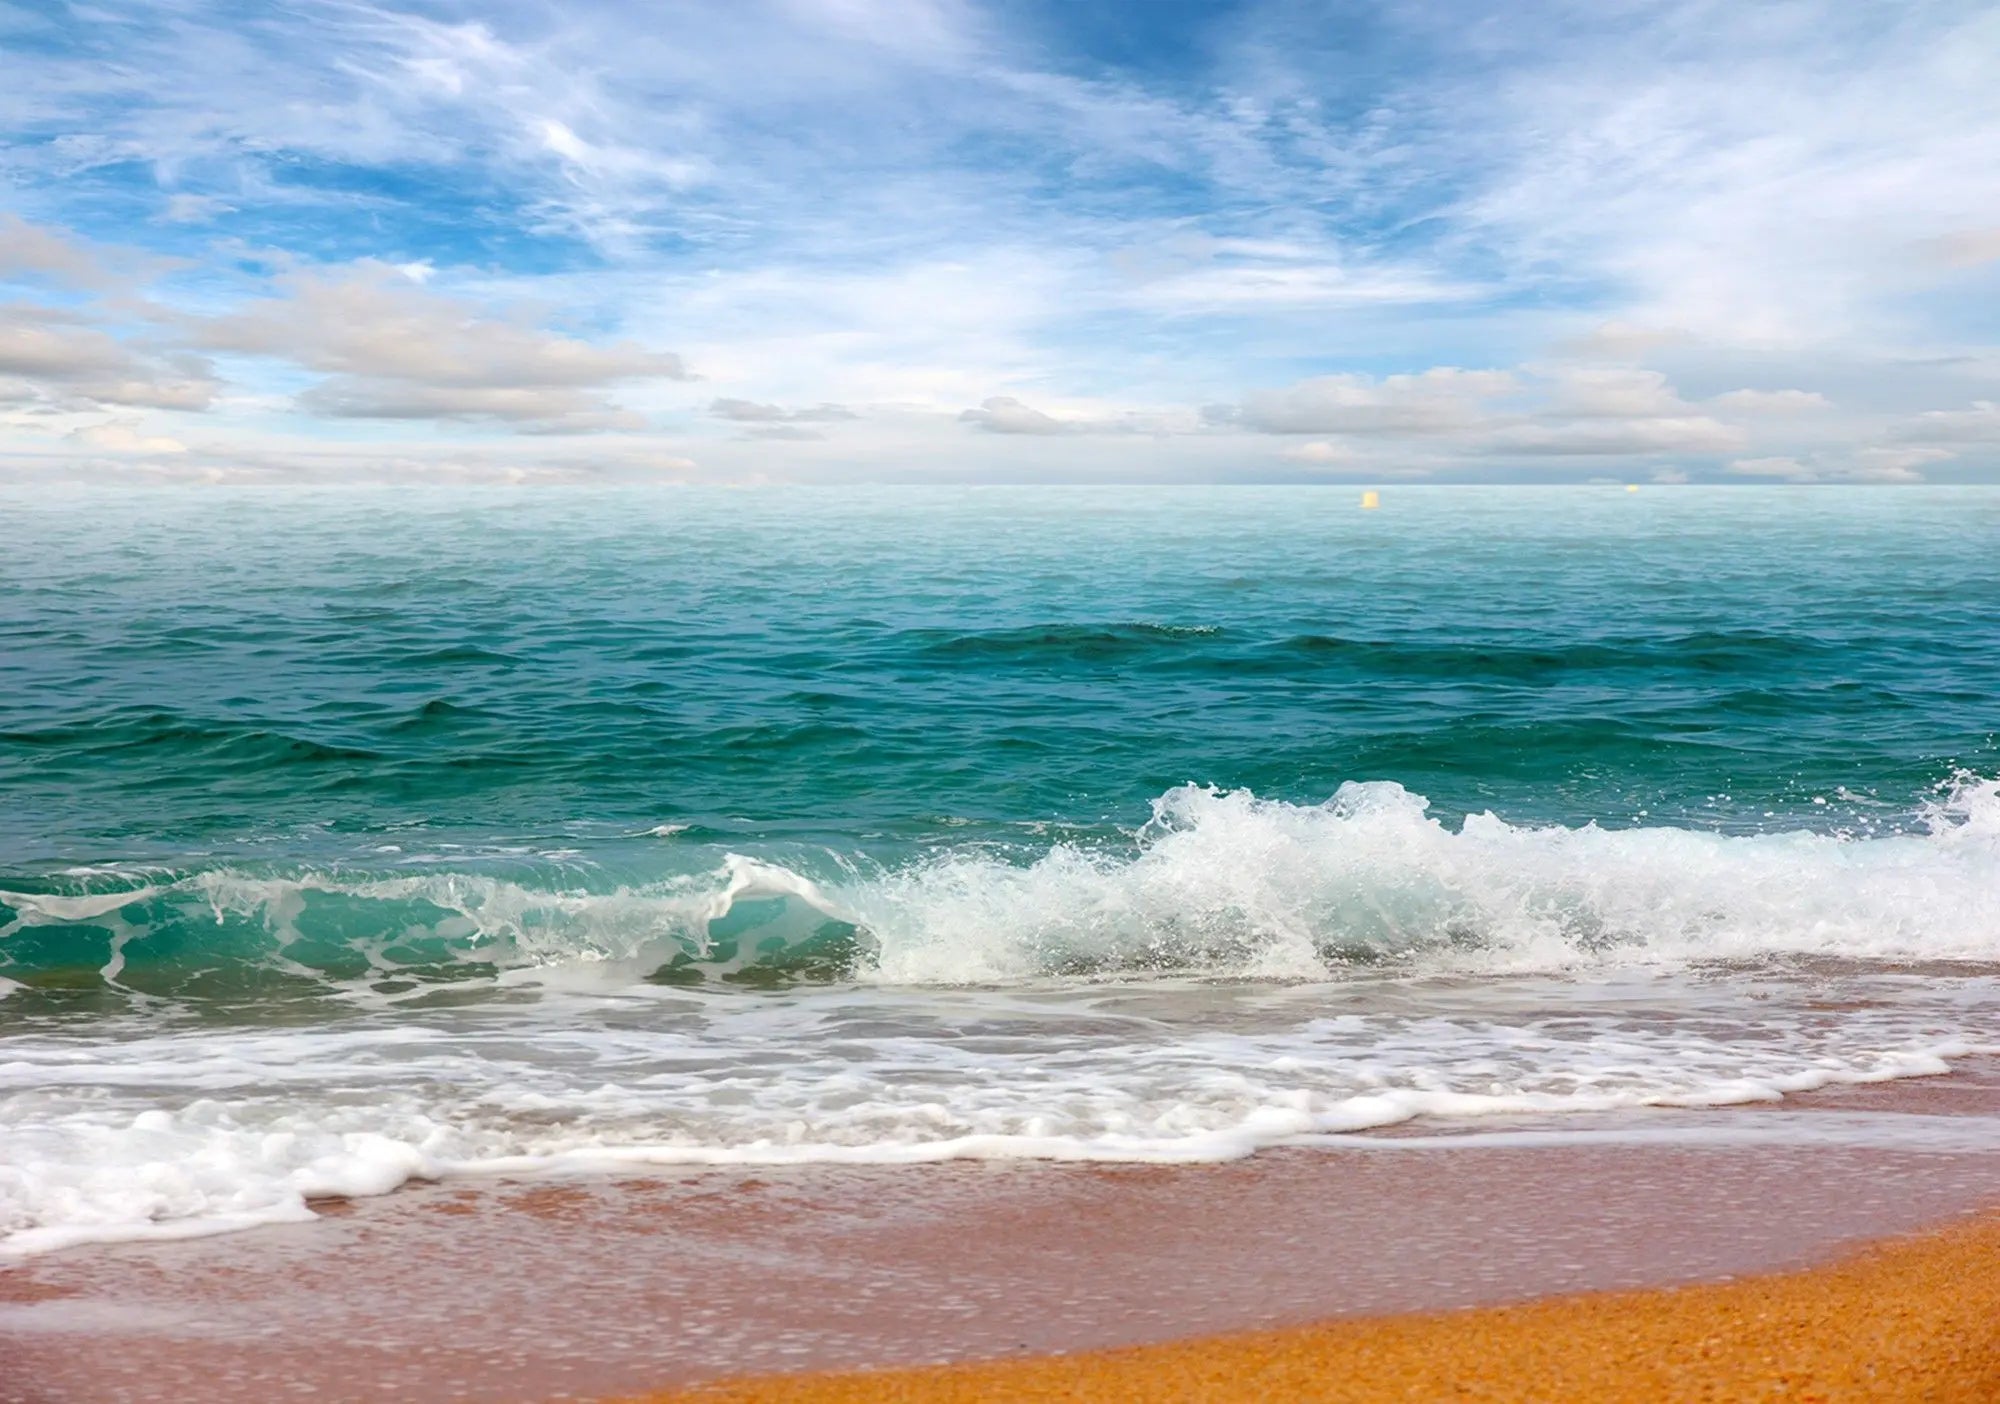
(1913, 1318)
(622, 1288)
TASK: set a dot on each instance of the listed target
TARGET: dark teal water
(441, 818)
(292, 674)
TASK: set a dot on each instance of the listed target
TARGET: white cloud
(32, 249)
(1319, 451)
(1691, 434)
(1441, 400)
(1191, 273)
(777, 424)
(1771, 402)
(1623, 341)
(1897, 465)
(1775, 466)
(905, 205)
(124, 436)
(396, 350)
(1979, 424)
(1870, 465)
(1003, 414)
(184, 208)
(1967, 248)
(1560, 412)
(1008, 415)
(1756, 174)
(69, 362)
(935, 31)
(1613, 392)
(533, 408)
(589, 163)
(756, 412)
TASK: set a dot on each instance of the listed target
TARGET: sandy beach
(1914, 1319)
(612, 1288)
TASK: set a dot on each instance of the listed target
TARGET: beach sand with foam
(1293, 1271)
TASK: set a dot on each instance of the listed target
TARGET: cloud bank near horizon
(945, 240)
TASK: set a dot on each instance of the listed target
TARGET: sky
(1645, 241)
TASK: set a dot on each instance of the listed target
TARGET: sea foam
(1220, 883)
(1238, 973)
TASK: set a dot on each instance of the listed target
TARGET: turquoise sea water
(351, 835)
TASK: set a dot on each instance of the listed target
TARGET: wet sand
(606, 1288)
(1915, 1319)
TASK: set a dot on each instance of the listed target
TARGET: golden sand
(1911, 1319)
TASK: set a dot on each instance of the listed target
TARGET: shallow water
(351, 837)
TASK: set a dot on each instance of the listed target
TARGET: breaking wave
(1215, 883)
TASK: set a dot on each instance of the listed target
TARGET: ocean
(356, 836)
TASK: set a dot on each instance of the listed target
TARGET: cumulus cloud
(1564, 411)
(1771, 402)
(1003, 414)
(1775, 466)
(558, 408)
(394, 349)
(1613, 392)
(1006, 415)
(1899, 465)
(1869, 465)
(1319, 451)
(1441, 400)
(1979, 424)
(1622, 341)
(123, 436)
(1610, 411)
(62, 359)
(754, 412)
(1612, 437)
(31, 249)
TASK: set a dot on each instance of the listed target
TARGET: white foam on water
(171, 1132)
(1228, 882)
(45, 908)
(1218, 883)
(1245, 973)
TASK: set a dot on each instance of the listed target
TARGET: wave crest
(1216, 882)
(1230, 883)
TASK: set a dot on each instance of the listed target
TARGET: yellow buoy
(1370, 500)
(1631, 487)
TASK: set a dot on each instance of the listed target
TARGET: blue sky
(832, 240)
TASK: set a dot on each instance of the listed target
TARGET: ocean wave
(1068, 643)
(1220, 883)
